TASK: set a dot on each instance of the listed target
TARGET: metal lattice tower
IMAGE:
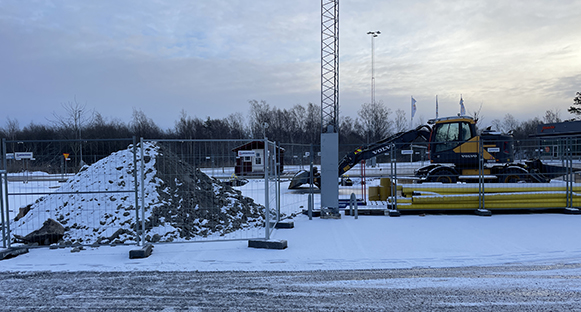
(329, 108)
(329, 65)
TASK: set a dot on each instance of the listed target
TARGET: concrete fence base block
(268, 244)
(285, 225)
(12, 252)
(144, 252)
(572, 211)
(483, 212)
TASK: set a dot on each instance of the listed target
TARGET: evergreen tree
(576, 107)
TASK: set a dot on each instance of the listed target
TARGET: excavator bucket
(300, 178)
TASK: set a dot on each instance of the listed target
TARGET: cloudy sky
(210, 58)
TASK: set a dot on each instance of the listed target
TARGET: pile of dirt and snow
(181, 203)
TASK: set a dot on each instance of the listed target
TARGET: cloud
(212, 57)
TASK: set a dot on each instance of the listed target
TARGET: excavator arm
(351, 159)
(400, 139)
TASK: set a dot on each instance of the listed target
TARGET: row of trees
(299, 124)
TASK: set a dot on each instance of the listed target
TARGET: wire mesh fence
(128, 191)
(544, 174)
(490, 173)
(81, 192)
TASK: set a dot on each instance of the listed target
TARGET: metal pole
(6, 225)
(372, 72)
(569, 174)
(142, 185)
(373, 35)
(394, 182)
(3, 179)
(266, 194)
(481, 203)
(136, 186)
(277, 175)
(311, 203)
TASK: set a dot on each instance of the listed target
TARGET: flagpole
(436, 106)
(412, 112)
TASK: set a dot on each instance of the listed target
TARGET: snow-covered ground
(370, 242)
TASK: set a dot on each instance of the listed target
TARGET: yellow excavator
(454, 149)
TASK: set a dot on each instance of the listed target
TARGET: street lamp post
(373, 35)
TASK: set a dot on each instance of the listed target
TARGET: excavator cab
(454, 140)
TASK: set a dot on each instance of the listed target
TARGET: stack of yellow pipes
(383, 191)
(496, 196)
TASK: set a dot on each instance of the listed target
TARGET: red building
(250, 159)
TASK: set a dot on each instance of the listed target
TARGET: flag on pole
(413, 107)
(462, 108)
(436, 106)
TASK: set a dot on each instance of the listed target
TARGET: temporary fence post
(3, 179)
(142, 186)
(570, 175)
(277, 179)
(266, 194)
(311, 203)
(480, 177)
(6, 224)
(136, 185)
(393, 154)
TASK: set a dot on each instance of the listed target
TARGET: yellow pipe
(546, 202)
(554, 204)
(488, 188)
(493, 197)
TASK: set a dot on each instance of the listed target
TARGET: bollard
(310, 207)
(353, 205)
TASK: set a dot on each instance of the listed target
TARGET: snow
(370, 242)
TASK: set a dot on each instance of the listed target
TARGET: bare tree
(312, 124)
(478, 117)
(496, 124)
(375, 120)
(260, 114)
(237, 126)
(400, 121)
(143, 126)
(76, 117)
(71, 124)
(12, 128)
(552, 116)
(509, 123)
(185, 126)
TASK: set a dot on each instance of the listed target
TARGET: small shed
(250, 159)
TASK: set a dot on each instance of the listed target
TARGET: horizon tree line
(297, 125)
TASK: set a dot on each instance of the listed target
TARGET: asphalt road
(501, 288)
